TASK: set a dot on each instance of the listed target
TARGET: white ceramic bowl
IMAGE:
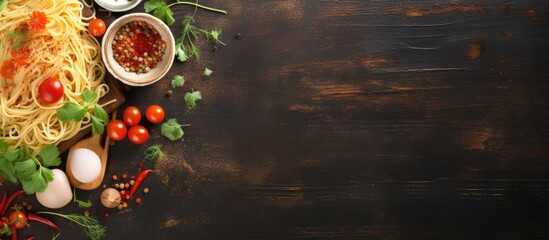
(130, 78)
(117, 5)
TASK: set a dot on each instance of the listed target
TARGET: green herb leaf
(18, 166)
(207, 72)
(25, 168)
(13, 155)
(178, 81)
(213, 36)
(7, 170)
(3, 146)
(47, 174)
(92, 227)
(191, 99)
(97, 125)
(180, 53)
(101, 114)
(3, 4)
(80, 203)
(88, 96)
(50, 156)
(71, 112)
(153, 154)
(99, 120)
(5, 229)
(33, 183)
(172, 130)
(161, 10)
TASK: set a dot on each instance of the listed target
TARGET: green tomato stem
(199, 6)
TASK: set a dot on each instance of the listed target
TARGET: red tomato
(138, 134)
(116, 130)
(132, 116)
(17, 219)
(155, 114)
(97, 27)
(50, 90)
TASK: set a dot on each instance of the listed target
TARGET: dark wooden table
(350, 119)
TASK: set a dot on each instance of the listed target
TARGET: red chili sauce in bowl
(138, 47)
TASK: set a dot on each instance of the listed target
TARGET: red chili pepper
(47, 222)
(139, 180)
(13, 233)
(3, 202)
(10, 199)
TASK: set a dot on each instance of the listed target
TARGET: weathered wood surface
(352, 119)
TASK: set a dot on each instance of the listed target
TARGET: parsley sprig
(18, 165)
(172, 129)
(72, 111)
(191, 99)
(162, 11)
(178, 81)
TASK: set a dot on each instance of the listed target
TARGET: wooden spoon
(102, 150)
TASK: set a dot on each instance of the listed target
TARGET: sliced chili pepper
(10, 199)
(139, 180)
(47, 222)
(3, 202)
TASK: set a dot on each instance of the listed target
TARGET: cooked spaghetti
(34, 48)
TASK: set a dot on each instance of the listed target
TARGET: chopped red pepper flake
(138, 200)
(20, 57)
(8, 69)
(38, 21)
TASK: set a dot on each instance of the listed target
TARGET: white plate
(117, 5)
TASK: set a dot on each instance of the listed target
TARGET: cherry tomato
(116, 130)
(155, 114)
(138, 134)
(17, 219)
(131, 116)
(97, 27)
(50, 90)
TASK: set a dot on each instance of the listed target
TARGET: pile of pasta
(65, 50)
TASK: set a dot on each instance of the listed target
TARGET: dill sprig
(92, 227)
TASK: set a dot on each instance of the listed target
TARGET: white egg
(85, 165)
(58, 192)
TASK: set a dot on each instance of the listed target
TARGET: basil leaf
(101, 114)
(97, 125)
(88, 96)
(71, 112)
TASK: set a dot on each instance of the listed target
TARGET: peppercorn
(237, 36)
